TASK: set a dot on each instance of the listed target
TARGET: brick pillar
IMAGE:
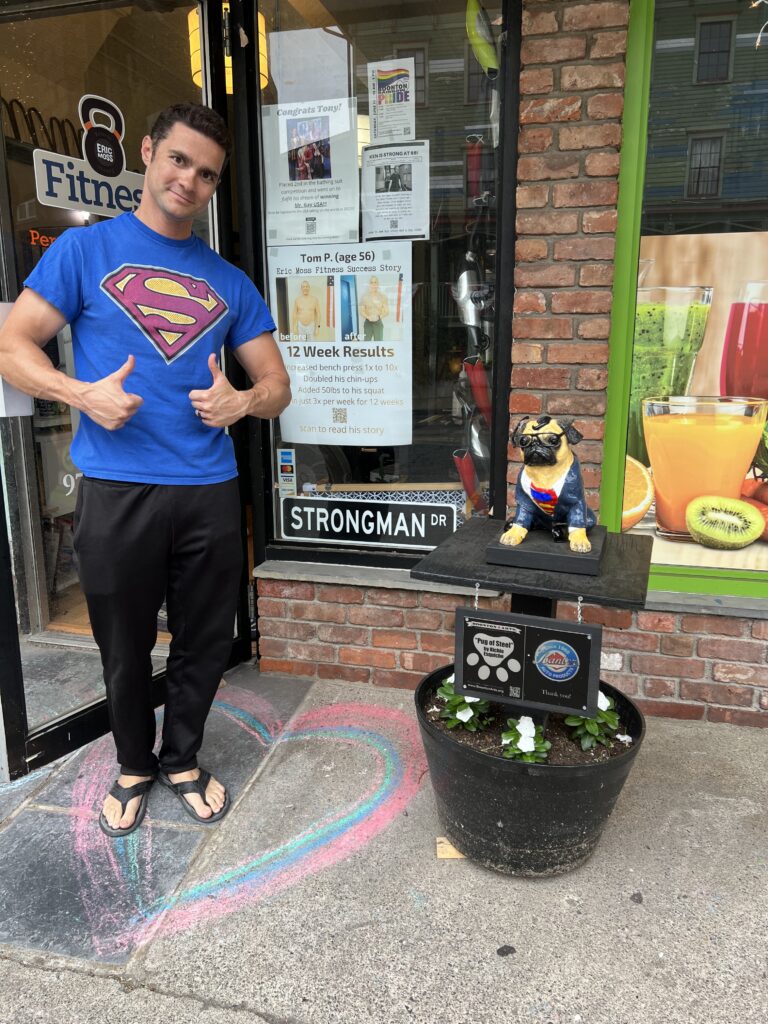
(572, 93)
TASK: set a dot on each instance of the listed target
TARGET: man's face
(374, 284)
(182, 173)
(305, 287)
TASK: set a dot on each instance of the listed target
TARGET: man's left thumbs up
(219, 405)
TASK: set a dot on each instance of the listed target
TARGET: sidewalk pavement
(320, 900)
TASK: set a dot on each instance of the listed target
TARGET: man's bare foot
(214, 793)
(113, 811)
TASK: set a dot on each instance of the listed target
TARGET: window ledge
(400, 579)
(707, 604)
(357, 576)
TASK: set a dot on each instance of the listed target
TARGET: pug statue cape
(550, 491)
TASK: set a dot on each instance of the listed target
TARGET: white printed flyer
(343, 317)
(395, 191)
(311, 174)
(392, 100)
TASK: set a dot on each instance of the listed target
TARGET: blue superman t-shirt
(124, 290)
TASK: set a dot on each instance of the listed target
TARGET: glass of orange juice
(699, 446)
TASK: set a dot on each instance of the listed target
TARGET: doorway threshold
(82, 642)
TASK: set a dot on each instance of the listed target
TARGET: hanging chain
(477, 596)
(578, 609)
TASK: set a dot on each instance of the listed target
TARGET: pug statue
(549, 492)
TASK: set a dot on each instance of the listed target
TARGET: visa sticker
(286, 477)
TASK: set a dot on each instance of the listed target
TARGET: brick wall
(571, 86)
(681, 665)
(357, 634)
(684, 665)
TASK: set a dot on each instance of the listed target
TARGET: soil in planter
(488, 741)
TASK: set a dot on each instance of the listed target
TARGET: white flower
(526, 727)
(623, 738)
(465, 714)
(526, 744)
(506, 742)
(602, 701)
(472, 700)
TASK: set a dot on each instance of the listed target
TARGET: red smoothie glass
(744, 367)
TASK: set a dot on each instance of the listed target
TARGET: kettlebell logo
(104, 127)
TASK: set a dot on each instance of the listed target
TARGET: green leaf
(761, 456)
(592, 727)
(573, 720)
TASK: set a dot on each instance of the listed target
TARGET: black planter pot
(523, 819)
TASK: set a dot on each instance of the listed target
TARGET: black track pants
(137, 544)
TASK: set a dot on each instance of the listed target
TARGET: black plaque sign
(527, 661)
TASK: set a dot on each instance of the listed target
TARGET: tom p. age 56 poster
(343, 317)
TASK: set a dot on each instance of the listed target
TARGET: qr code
(393, 224)
(311, 224)
(514, 691)
(339, 415)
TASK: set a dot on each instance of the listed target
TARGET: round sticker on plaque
(556, 661)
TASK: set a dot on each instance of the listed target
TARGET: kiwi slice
(724, 523)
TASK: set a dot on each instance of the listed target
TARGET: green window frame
(667, 578)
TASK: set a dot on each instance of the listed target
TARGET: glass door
(79, 89)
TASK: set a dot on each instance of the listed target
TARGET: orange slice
(638, 493)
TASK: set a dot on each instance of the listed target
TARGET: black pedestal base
(540, 551)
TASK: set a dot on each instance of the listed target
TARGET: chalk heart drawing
(122, 906)
(494, 649)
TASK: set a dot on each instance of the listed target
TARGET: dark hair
(193, 115)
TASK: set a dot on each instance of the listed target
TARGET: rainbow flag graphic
(392, 86)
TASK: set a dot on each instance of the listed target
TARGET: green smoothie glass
(669, 330)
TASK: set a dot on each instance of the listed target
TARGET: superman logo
(172, 310)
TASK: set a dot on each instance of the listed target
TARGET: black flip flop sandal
(124, 794)
(199, 786)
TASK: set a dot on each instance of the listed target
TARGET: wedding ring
(198, 413)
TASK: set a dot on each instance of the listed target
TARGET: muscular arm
(317, 314)
(31, 324)
(271, 390)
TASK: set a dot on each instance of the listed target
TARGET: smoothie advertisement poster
(697, 440)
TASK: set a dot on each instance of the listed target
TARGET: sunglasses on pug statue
(548, 440)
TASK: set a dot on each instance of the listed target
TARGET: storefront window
(697, 439)
(381, 186)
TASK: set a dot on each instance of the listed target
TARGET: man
(305, 322)
(150, 306)
(373, 308)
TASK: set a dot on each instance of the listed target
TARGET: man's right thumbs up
(108, 403)
(125, 370)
